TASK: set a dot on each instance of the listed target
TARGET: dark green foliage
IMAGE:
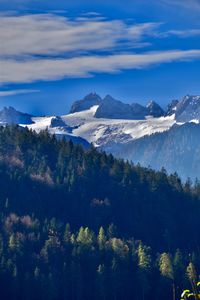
(79, 224)
(37, 263)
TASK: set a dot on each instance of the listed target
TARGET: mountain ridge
(109, 125)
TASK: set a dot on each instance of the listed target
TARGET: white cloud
(16, 71)
(17, 92)
(50, 47)
(48, 34)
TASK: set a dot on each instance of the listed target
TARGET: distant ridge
(9, 115)
(111, 108)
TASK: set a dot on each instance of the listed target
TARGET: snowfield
(102, 131)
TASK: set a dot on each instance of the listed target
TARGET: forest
(79, 224)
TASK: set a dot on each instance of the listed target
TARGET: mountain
(177, 150)
(112, 131)
(110, 108)
(86, 103)
(188, 109)
(125, 130)
(9, 115)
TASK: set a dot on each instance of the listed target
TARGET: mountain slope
(177, 150)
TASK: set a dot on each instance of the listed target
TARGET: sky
(53, 52)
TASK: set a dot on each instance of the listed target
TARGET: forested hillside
(79, 224)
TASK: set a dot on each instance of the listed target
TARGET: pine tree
(101, 238)
(166, 267)
(166, 270)
(144, 266)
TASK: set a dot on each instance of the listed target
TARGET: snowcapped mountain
(101, 132)
(110, 108)
(148, 135)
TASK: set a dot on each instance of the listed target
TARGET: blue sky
(52, 53)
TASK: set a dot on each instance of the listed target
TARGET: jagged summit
(112, 108)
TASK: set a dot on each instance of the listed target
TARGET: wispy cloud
(16, 71)
(17, 92)
(43, 47)
(47, 34)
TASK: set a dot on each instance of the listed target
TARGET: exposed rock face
(9, 115)
(86, 103)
